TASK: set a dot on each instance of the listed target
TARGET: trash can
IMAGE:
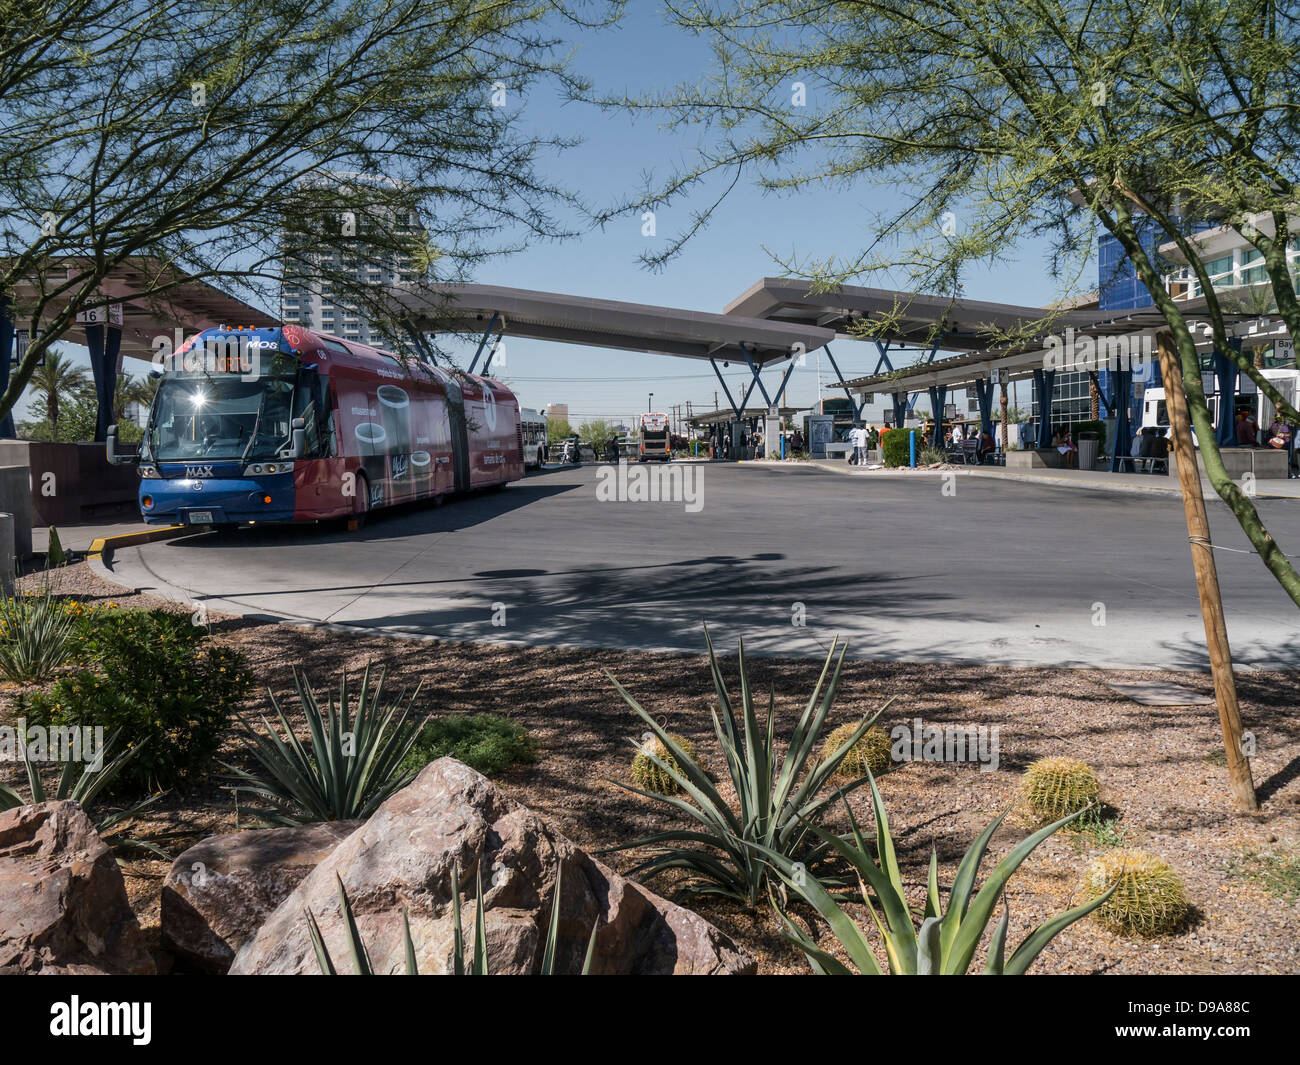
(1088, 448)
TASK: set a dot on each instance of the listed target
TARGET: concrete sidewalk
(1097, 480)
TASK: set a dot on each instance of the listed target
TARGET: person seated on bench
(1160, 452)
(1065, 448)
(987, 447)
(1247, 430)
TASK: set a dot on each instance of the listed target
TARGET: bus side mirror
(114, 457)
(299, 445)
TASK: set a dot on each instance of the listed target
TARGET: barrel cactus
(652, 777)
(1058, 787)
(1148, 899)
(871, 752)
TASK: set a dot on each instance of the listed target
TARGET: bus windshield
(219, 417)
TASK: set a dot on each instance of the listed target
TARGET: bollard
(7, 560)
(911, 447)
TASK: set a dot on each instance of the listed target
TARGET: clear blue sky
(643, 53)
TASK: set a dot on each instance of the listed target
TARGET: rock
(63, 905)
(218, 893)
(452, 816)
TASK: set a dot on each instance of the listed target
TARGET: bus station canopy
(723, 417)
(154, 300)
(1020, 360)
(469, 308)
(916, 320)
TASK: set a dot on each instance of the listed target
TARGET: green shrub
(946, 942)
(36, 636)
(894, 447)
(1056, 787)
(781, 791)
(1098, 427)
(872, 752)
(353, 760)
(1146, 896)
(488, 743)
(159, 680)
(646, 765)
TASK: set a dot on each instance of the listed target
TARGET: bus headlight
(267, 467)
(148, 471)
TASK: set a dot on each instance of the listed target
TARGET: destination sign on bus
(246, 356)
(654, 423)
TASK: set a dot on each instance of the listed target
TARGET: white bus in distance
(532, 434)
(653, 440)
(1155, 413)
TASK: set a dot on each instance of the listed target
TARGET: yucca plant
(477, 967)
(781, 794)
(35, 636)
(86, 786)
(946, 941)
(351, 765)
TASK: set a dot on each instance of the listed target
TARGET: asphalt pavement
(907, 566)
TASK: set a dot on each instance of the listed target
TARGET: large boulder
(63, 905)
(452, 817)
(219, 892)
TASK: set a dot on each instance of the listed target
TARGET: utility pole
(1207, 577)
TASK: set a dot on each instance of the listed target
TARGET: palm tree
(56, 377)
(130, 389)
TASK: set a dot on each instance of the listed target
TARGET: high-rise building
(315, 291)
(559, 411)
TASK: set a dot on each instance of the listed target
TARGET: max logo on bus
(196, 472)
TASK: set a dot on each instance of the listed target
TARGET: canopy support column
(1225, 381)
(1122, 385)
(104, 342)
(938, 399)
(857, 407)
(492, 324)
(7, 431)
(725, 389)
(1044, 386)
(984, 397)
(755, 370)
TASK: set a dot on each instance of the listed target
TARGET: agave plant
(352, 764)
(35, 636)
(86, 788)
(478, 966)
(949, 935)
(781, 795)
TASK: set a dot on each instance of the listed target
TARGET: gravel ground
(1160, 768)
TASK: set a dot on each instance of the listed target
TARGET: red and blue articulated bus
(252, 425)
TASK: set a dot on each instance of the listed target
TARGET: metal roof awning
(1020, 360)
(468, 308)
(714, 417)
(189, 305)
(958, 324)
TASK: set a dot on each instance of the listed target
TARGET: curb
(103, 548)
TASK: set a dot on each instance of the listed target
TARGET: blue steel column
(104, 343)
(900, 408)
(7, 431)
(938, 397)
(984, 397)
(1225, 380)
(1122, 383)
(492, 324)
(1044, 386)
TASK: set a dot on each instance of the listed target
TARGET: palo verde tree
(997, 121)
(261, 144)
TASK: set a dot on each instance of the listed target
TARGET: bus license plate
(200, 517)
